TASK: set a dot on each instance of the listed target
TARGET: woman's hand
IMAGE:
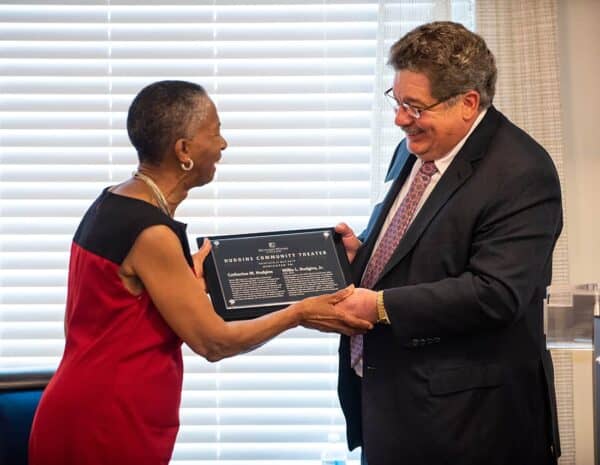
(198, 259)
(321, 313)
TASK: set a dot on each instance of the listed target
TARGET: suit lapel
(454, 177)
(456, 174)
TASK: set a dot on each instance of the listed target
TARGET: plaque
(249, 275)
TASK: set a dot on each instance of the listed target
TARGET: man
(453, 267)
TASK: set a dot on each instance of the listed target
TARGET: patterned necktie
(387, 245)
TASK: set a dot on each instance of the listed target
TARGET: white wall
(579, 45)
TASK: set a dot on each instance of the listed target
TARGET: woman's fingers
(205, 249)
(357, 323)
(350, 328)
(199, 257)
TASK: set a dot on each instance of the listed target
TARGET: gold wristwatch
(382, 316)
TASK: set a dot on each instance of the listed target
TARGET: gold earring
(188, 165)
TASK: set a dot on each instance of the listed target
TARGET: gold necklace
(158, 195)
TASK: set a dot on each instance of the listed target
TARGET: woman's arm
(158, 261)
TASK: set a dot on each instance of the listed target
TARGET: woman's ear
(181, 149)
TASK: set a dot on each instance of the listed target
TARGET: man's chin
(414, 146)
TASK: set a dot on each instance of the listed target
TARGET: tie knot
(428, 168)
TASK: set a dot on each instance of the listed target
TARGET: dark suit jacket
(462, 374)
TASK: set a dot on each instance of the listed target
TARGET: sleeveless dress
(115, 396)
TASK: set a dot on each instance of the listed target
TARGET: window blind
(294, 83)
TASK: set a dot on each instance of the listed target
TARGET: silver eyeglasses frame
(412, 111)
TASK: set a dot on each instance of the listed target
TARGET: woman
(135, 294)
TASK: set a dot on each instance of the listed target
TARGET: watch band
(382, 316)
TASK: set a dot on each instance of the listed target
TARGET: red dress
(115, 396)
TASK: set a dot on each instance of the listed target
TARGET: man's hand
(362, 303)
(322, 313)
(349, 239)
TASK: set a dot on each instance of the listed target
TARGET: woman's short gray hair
(161, 113)
(454, 59)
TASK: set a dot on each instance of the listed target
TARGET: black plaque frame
(213, 272)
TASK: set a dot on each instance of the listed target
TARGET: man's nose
(402, 118)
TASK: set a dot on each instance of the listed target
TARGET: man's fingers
(344, 230)
(341, 228)
(341, 294)
(349, 239)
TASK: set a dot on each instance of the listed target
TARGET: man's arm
(510, 252)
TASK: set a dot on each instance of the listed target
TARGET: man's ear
(470, 105)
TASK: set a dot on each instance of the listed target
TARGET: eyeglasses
(412, 111)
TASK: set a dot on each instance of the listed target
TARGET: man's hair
(160, 114)
(453, 58)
